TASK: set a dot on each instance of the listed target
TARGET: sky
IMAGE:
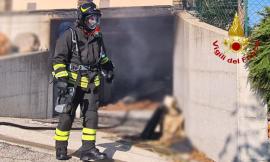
(255, 6)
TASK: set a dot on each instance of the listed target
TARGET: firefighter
(78, 63)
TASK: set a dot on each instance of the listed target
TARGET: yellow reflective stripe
(89, 137)
(104, 60)
(61, 74)
(57, 66)
(89, 131)
(97, 81)
(84, 85)
(53, 73)
(60, 138)
(84, 79)
(75, 75)
(61, 133)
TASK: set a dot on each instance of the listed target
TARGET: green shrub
(259, 66)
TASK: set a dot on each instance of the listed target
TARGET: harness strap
(74, 67)
(76, 52)
(103, 48)
(74, 39)
(91, 72)
(92, 76)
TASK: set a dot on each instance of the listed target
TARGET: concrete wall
(25, 86)
(223, 118)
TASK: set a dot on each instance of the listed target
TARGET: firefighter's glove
(108, 75)
(108, 66)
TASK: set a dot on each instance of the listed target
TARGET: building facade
(24, 5)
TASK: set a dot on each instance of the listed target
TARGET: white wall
(223, 118)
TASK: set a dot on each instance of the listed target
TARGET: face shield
(92, 21)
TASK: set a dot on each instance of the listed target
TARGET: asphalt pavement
(16, 153)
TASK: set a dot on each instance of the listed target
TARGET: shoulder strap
(74, 41)
(75, 47)
(103, 52)
(103, 49)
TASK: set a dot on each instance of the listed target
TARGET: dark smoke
(141, 45)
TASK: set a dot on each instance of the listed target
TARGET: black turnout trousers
(89, 110)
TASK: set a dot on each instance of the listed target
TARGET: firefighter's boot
(89, 153)
(61, 150)
(93, 155)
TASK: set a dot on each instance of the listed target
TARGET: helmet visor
(92, 21)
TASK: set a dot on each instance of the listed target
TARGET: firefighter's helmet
(88, 16)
